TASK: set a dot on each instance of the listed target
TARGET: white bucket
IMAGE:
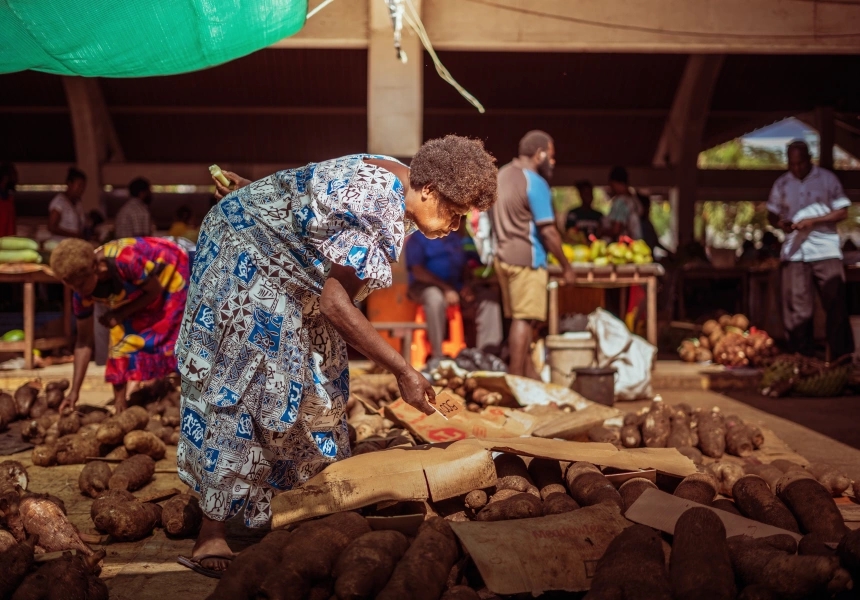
(567, 352)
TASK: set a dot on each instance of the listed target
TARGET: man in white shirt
(806, 203)
(65, 215)
(134, 218)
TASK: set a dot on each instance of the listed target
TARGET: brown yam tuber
(680, 434)
(692, 453)
(460, 592)
(127, 520)
(7, 540)
(815, 544)
(366, 564)
(700, 566)
(118, 453)
(44, 455)
(170, 418)
(423, 571)
(712, 434)
(511, 472)
(503, 495)
(8, 408)
(546, 473)
(589, 488)
(242, 579)
(726, 505)
(14, 564)
(631, 489)
(69, 424)
(757, 592)
(812, 505)
(476, 500)
(726, 474)
(558, 503)
(144, 442)
(112, 431)
(55, 392)
(849, 553)
(787, 465)
(25, 396)
(181, 516)
(657, 426)
(76, 448)
(94, 478)
(767, 472)
(520, 506)
(68, 577)
(698, 487)
(94, 416)
(632, 568)
(756, 500)
(739, 441)
(787, 575)
(834, 480)
(630, 436)
(604, 435)
(44, 518)
(132, 473)
(310, 555)
(39, 408)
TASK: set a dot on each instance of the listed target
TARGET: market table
(28, 275)
(609, 277)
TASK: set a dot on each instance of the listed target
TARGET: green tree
(737, 155)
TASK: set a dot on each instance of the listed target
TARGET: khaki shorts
(523, 291)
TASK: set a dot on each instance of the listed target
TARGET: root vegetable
(242, 579)
(511, 472)
(546, 474)
(786, 575)
(14, 564)
(460, 592)
(589, 488)
(94, 478)
(108, 498)
(476, 500)
(834, 480)
(8, 408)
(787, 465)
(68, 577)
(44, 455)
(698, 487)
(849, 553)
(112, 431)
(712, 435)
(94, 417)
(171, 416)
(520, 506)
(39, 408)
(181, 515)
(632, 418)
(756, 592)
(812, 506)
(726, 505)
(680, 435)
(630, 436)
(119, 452)
(700, 566)
(423, 571)
(657, 427)
(132, 473)
(366, 564)
(767, 472)
(69, 424)
(558, 503)
(605, 435)
(631, 489)
(781, 541)
(144, 442)
(129, 520)
(755, 500)
(692, 453)
(55, 392)
(739, 442)
(815, 544)
(76, 448)
(310, 555)
(726, 474)
(44, 518)
(25, 396)
(503, 495)
(7, 540)
(633, 567)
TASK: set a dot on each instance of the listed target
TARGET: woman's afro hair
(459, 169)
(72, 260)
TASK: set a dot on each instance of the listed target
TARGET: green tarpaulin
(138, 38)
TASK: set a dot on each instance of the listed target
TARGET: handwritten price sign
(447, 404)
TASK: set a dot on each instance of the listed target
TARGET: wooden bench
(402, 330)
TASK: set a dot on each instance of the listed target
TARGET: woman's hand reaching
(236, 182)
(416, 390)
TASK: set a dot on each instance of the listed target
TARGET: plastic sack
(631, 356)
(110, 38)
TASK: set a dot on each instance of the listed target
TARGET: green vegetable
(13, 335)
(17, 243)
(20, 256)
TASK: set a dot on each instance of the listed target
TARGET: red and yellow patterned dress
(142, 347)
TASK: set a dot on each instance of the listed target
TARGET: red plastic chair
(451, 346)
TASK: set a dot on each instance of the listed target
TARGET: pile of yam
(149, 424)
(731, 342)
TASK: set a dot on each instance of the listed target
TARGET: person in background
(749, 254)
(8, 181)
(806, 203)
(134, 219)
(183, 225)
(649, 234)
(770, 246)
(65, 214)
(524, 226)
(439, 277)
(584, 221)
(144, 283)
(625, 214)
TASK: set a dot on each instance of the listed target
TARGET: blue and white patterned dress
(264, 375)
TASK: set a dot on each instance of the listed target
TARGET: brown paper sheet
(419, 473)
(661, 511)
(557, 552)
(570, 426)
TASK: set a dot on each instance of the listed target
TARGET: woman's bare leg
(212, 540)
(120, 397)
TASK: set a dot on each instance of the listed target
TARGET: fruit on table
(13, 335)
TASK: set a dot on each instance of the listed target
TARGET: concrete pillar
(394, 90)
(826, 125)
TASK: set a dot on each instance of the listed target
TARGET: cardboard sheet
(570, 426)
(516, 390)
(557, 552)
(665, 460)
(492, 422)
(417, 473)
(661, 511)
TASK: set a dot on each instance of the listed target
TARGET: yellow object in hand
(215, 171)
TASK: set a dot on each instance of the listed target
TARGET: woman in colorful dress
(262, 351)
(144, 283)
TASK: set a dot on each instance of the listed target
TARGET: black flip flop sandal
(194, 564)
